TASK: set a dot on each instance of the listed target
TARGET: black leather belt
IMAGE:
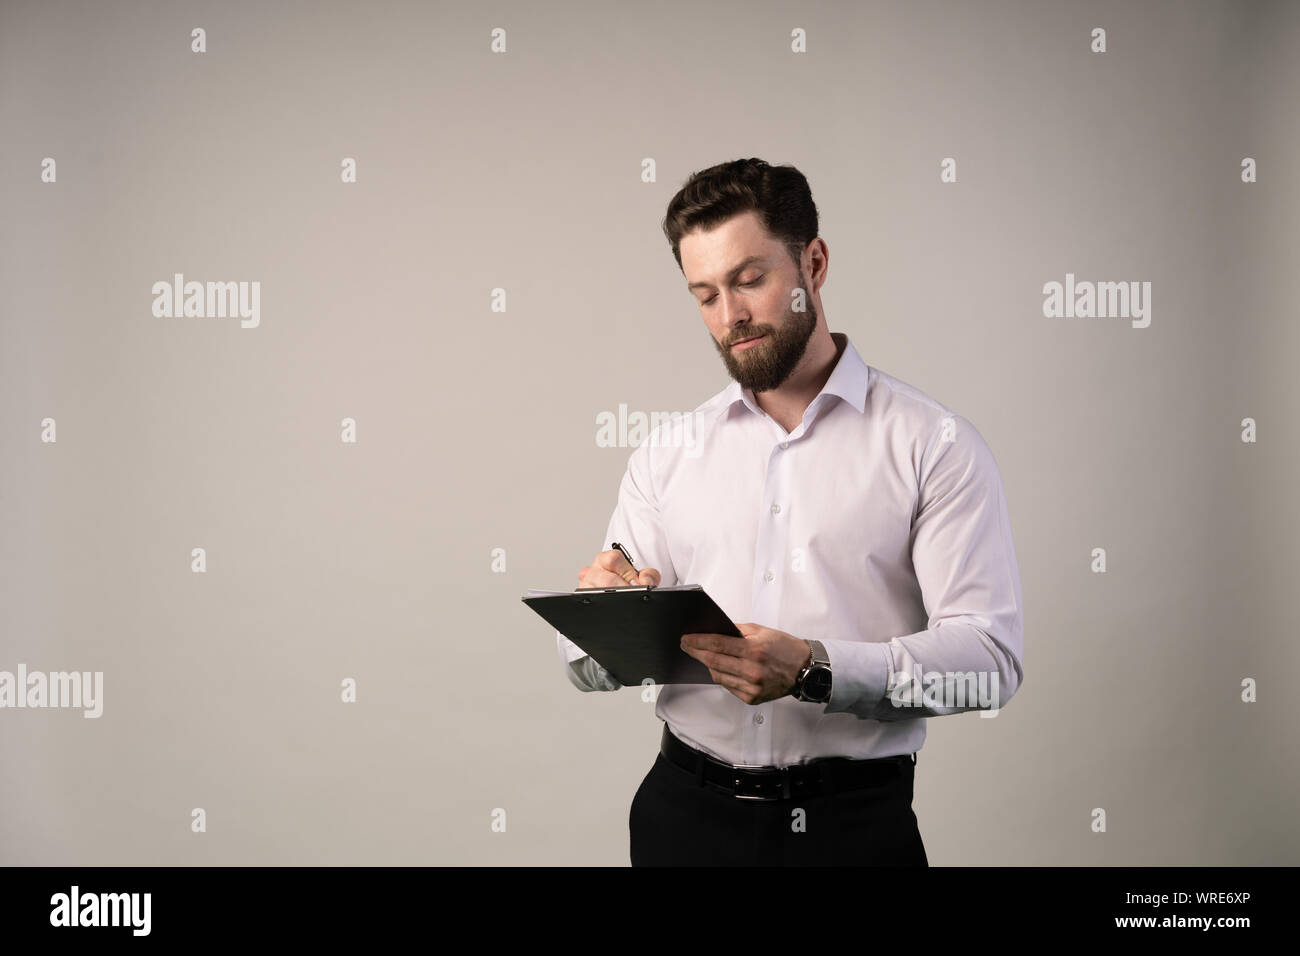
(797, 781)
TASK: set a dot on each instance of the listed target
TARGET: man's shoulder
(930, 430)
(890, 397)
(683, 430)
(718, 403)
(670, 439)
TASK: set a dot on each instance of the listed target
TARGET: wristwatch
(814, 681)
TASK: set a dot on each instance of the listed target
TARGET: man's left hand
(761, 665)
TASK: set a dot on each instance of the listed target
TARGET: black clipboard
(635, 632)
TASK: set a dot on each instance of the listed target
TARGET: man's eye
(743, 285)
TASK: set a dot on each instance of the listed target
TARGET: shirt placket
(769, 578)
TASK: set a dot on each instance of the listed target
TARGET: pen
(623, 551)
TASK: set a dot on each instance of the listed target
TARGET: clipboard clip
(630, 587)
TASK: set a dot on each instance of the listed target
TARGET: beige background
(476, 428)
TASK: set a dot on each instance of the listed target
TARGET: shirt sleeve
(583, 672)
(970, 655)
(637, 525)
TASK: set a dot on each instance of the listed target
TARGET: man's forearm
(945, 670)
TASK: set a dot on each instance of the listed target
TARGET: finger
(649, 576)
(597, 577)
(614, 562)
(743, 689)
(720, 643)
(725, 664)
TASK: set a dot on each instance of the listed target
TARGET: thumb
(649, 576)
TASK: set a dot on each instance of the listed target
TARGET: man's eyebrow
(731, 275)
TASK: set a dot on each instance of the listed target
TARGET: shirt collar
(849, 379)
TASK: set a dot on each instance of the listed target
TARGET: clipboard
(635, 631)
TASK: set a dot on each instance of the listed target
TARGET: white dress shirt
(878, 527)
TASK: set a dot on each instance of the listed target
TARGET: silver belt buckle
(780, 773)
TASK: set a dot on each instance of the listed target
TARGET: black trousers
(677, 821)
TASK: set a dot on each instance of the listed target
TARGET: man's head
(745, 236)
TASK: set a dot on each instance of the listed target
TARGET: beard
(765, 366)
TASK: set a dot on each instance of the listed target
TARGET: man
(852, 526)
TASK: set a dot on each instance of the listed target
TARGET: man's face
(742, 279)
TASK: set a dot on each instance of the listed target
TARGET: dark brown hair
(779, 194)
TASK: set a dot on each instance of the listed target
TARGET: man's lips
(747, 343)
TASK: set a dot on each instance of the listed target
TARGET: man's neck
(786, 405)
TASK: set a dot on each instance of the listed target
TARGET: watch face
(817, 685)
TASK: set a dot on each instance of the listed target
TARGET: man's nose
(734, 312)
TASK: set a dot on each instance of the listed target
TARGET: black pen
(623, 551)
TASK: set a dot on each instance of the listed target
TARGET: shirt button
(776, 509)
(758, 719)
(769, 576)
(785, 444)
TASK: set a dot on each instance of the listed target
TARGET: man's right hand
(611, 570)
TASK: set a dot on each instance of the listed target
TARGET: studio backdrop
(279, 527)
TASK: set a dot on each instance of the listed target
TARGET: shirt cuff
(586, 674)
(859, 676)
(570, 650)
